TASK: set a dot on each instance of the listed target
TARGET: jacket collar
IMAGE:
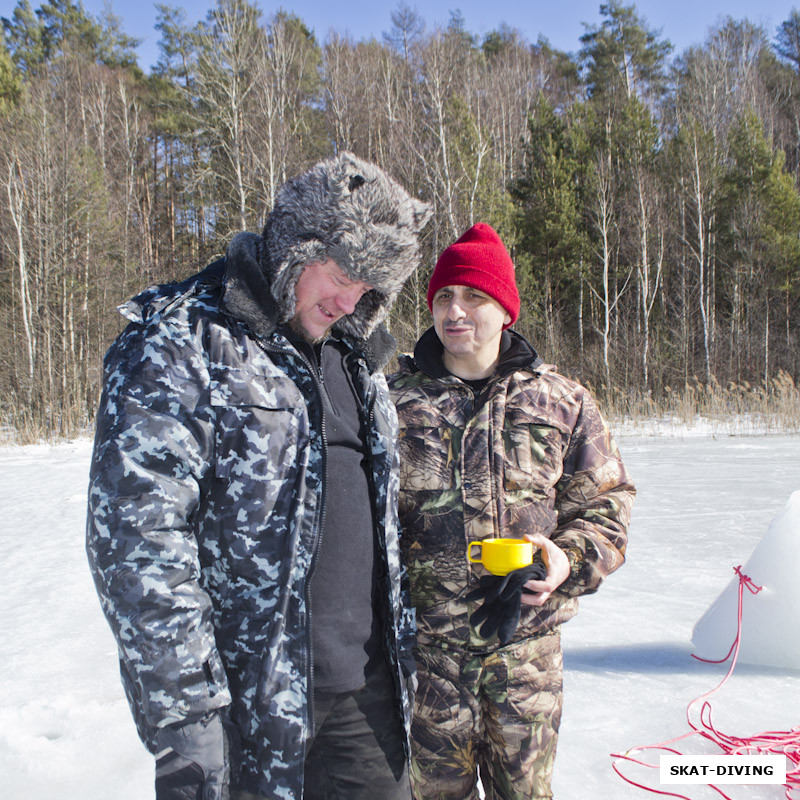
(246, 291)
(516, 353)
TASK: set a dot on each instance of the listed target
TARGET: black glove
(192, 760)
(502, 594)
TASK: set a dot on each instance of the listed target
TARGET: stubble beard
(297, 327)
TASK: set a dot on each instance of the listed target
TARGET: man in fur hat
(494, 443)
(242, 529)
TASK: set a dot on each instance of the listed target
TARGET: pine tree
(549, 220)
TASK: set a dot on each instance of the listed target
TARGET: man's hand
(192, 762)
(537, 592)
(501, 607)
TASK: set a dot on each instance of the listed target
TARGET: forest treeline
(649, 198)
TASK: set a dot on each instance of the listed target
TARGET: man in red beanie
(495, 443)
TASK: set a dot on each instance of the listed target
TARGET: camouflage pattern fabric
(204, 505)
(498, 712)
(531, 455)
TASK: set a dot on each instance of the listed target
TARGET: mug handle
(469, 554)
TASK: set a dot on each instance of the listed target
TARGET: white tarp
(770, 618)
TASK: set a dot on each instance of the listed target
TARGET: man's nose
(455, 311)
(347, 299)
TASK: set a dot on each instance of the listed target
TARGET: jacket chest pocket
(427, 458)
(256, 443)
(533, 453)
(258, 432)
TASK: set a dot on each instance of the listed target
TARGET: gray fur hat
(352, 212)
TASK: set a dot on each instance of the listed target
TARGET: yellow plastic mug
(501, 556)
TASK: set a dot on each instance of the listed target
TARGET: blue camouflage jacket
(205, 500)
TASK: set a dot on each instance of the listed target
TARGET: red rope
(744, 580)
(769, 743)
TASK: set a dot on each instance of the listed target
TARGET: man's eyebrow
(336, 272)
(339, 275)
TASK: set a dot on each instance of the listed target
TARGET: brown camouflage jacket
(530, 453)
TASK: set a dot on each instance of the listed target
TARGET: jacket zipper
(269, 348)
(317, 542)
(395, 669)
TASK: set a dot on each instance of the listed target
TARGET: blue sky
(683, 22)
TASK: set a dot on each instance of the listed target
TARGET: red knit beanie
(478, 259)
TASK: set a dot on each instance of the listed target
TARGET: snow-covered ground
(704, 503)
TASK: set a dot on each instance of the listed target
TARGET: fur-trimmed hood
(352, 212)
(247, 297)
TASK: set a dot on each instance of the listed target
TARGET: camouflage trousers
(495, 714)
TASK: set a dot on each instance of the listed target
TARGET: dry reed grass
(743, 409)
(20, 425)
(736, 408)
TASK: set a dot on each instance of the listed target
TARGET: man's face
(324, 294)
(469, 323)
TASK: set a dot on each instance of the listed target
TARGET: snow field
(703, 505)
